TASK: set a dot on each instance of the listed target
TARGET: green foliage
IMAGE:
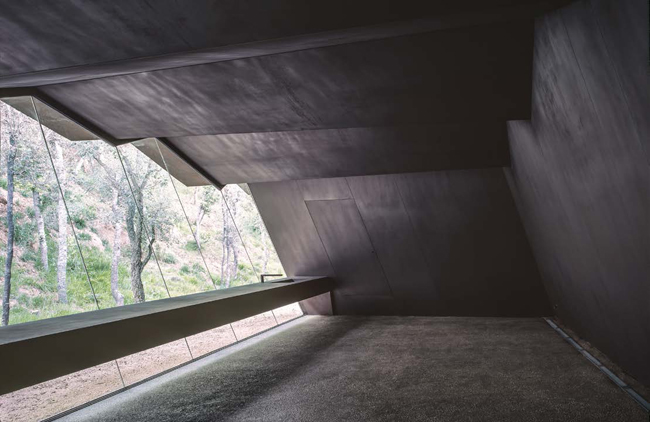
(168, 258)
(79, 222)
(89, 196)
(24, 232)
(3, 183)
(191, 246)
(83, 236)
(29, 255)
(23, 300)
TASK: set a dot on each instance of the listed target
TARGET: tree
(116, 183)
(11, 159)
(208, 199)
(117, 232)
(33, 174)
(229, 268)
(265, 243)
(40, 225)
(136, 226)
(62, 217)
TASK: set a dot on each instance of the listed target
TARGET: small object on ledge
(269, 275)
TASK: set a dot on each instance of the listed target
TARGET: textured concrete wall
(581, 173)
(436, 243)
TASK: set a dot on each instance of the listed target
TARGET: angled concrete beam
(276, 45)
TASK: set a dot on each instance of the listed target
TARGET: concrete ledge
(42, 350)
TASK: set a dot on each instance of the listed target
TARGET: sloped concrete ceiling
(254, 91)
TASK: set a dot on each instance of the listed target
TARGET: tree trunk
(267, 251)
(225, 248)
(233, 234)
(115, 262)
(6, 293)
(235, 260)
(197, 230)
(134, 228)
(62, 259)
(40, 225)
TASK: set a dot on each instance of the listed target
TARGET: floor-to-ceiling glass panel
(147, 363)
(259, 253)
(105, 216)
(253, 325)
(51, 397)
(171, 238)
(46, 277)
(211, 340)
(288, 312)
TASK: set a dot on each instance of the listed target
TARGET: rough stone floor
(383, 369)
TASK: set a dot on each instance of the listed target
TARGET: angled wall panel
(582, 174)
(358, 270)
(470, 233)
(436, 243)
(393, 236)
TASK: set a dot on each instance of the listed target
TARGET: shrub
(3, 183)
(29, 256)
(79, 222)
(198, 268)
(38, 302)
(191, 246)
(168, 258)
(83, 236)
(185, 269)
(23, 233)
(23, 300)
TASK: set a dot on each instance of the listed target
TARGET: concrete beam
(365, 22)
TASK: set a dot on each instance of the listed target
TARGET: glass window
(287, 313)
(211, 340)
(172, 240)
(107, 221)
(141, 365)
(46, 276)
(49, 398)
(86, 225)
(259, 254)
(249, 326)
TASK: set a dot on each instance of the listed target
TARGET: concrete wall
(581, 173)
(436, 243)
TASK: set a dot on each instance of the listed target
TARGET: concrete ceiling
(249, 91)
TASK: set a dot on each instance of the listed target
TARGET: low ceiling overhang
(246, 91)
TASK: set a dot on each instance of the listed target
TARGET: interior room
(227, 210)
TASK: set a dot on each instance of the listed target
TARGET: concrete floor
(384, 369)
